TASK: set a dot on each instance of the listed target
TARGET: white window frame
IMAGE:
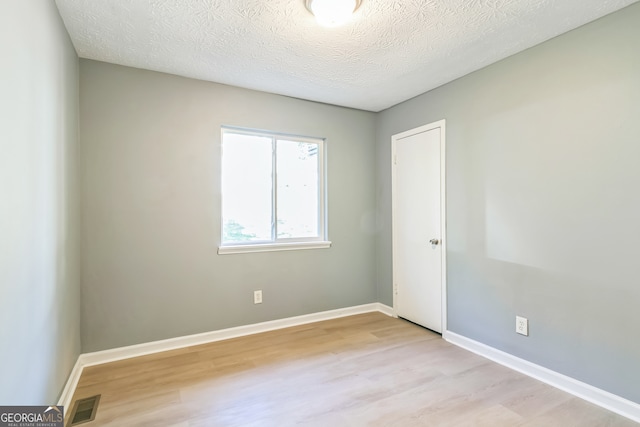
(281, 244)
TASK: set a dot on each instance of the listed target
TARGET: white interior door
(418, 231)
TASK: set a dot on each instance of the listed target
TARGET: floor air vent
(84, 410)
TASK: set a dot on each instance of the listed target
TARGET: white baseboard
(71, 384)
(385, 309)
(592, 394)
(120, 353)
(112, 355)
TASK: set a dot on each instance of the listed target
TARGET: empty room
(207, 213)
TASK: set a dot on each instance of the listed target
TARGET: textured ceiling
(391, 51)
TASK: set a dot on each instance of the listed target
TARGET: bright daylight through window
(272, 192)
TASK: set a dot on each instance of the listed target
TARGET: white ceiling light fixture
(331, 13)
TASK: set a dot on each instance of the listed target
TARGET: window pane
(298, 189)
(247, 190)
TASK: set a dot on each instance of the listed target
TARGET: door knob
(434, 241)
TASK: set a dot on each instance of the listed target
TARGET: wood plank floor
(364, 370)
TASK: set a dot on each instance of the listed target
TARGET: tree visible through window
(272, 188)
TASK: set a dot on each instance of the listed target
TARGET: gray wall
(543, 201)
(39, 286)
(151, 209)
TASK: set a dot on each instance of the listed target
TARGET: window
(273, 194)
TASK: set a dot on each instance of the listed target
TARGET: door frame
(443, 211)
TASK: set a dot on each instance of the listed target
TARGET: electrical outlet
(522, 326)
(257, 297)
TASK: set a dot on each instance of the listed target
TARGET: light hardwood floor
(364, 370)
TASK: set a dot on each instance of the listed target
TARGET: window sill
(273, 247)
